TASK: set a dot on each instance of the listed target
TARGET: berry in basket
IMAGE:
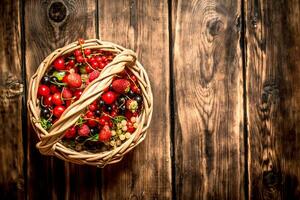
(90, 102)
(108, 121)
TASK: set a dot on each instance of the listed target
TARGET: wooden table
(226, 84)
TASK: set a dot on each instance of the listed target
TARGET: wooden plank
(142, 26)
(11, 93)
(273, 71)
(49, 26)
(208, 83)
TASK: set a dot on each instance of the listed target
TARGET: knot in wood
(214, 26)
(57, 11)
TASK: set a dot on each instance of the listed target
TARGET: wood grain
(273, 71)
(208, 86)
(142, 26)
(50, 25)
(11, 92)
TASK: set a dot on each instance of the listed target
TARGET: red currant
(98, 59)
(58, 111)
(71, 63)
(77, 53)
(68, 103)
(77, 94)
(59, 63)
(81, 41)
(80, 59)
(87, 52)
(89, 114)
(109, 97)
(92, 107)
(43, 90)
(88, 69)
(54, 88)
(102, 121)
(95, 64)
(133, 77)
(92, 59)
(130, 129)
(101, 65)
(48, 101)
(104, 59)
(56, 99)
(92, 123)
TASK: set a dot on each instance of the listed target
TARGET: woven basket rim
(50, 144)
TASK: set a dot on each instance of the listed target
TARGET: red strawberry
(132, 105)
(121, 85)
(109, 97)
(93, 75)
(70, 133)
(74, 80)
(105, 134)
(67, 93)
(84, 130)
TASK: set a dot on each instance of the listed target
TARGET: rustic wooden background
(226, 83)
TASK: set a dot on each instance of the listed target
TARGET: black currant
(108, 108)
(54, 79)
(101, 103)
(98, 113)
(94, 130)
(45, 80)
(121, 100)
(45, 113)
(138, 98)
(131, 93)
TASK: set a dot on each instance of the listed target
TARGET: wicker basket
(50, 144)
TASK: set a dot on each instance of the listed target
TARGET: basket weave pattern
(49, 143)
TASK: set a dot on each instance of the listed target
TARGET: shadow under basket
(51, 141)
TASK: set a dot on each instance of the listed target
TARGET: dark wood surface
(225, 78)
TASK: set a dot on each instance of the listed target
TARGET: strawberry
(105, 134)
(67, 93)
(84, 130)
(93, 75)
(74, 80)
(70, 133)
(121, 85)
(132, 105)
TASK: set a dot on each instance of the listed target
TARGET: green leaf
(82, 70)
(59, 75)
(94, 138)
(80, 121)
(45, 124)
